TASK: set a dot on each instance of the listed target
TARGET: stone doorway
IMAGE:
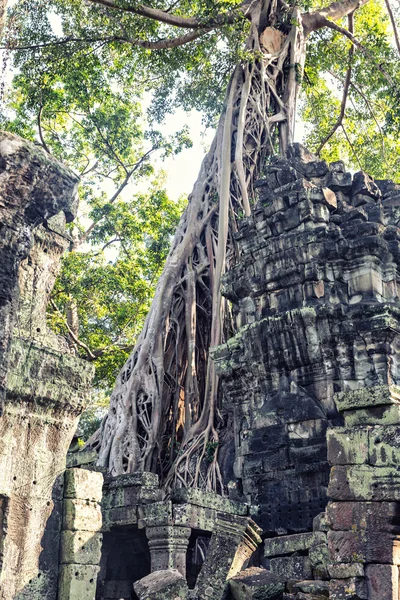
(125, 559)
(199, 542)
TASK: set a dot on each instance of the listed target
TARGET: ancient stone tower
(309, 396)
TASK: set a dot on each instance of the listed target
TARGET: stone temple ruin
(308, 388)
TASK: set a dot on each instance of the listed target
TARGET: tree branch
(77, 341)
(369, 106)
(123, 185)
(175, 20)
(162, 44)
(358, 44)
(352, 147)
(335, 11)
(394, 25)
(39, 120)
(346, 86)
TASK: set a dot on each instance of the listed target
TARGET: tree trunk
(163, 415)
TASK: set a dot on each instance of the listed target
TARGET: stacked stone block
(316, 298)
(364, 490)
(81, 537)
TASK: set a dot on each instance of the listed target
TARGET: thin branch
(77, 341)
(369, 106)
(123, 185)
(346, 86)
(162, 44)
(351, 146)
(39, 120)
(358, 44)
(394, 25)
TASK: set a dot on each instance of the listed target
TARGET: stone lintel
(209, 500)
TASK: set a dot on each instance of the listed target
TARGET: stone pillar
(168, 547)
(81, 538)
(364, 490)
(233, 542)
(43, 387)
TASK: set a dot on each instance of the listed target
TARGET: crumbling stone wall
(43, 387)
(315, 296)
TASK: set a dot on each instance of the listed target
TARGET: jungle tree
(164, 414)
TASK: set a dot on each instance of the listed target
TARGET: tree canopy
(83, 68)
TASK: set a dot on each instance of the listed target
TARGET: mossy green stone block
(364, 483)
(162, 585)
(347, 446)
(77, 582)
(384, 446)
(81, 547)
(375, 415)
(378, 395)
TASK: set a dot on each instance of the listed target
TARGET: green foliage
(112, 288)
(369, 138)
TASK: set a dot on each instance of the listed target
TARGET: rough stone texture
(233, 542)
(364, 487)
(315, 295)
(81, 538)
(43, 387)
(256, 584)
(162, 585)
(316, 300)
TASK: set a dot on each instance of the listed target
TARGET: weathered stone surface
(256, 584)
(233, 542)
(77, 581)
(288, 544)
(348, 446)
(77, 459)
(384, 446)
(291, 567)
(162, 585)
(319, 559)
(382, 582)
(345, 570)
(364, 483)
(354, 588)
(81, 547)
(382, 415)
(83, 485)
(377, 395)
(315, 296)
(43, 386)
(370, 516)
(363, 547)
(313, 587)
(82, 515)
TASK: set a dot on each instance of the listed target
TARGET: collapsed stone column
(233, 542)
(43, 387)
(364, 488)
